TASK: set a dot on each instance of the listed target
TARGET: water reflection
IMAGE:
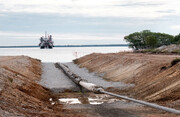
(88, 100)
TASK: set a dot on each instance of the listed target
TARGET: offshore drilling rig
(46, 42)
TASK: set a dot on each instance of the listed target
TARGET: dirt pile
(20, 94)
(169, 48)
(154, 77)
(165, 49)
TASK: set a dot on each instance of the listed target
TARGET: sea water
(59, 54)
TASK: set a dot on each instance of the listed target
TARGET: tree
(151, 41)
(134, 40)
(176, 39)
(163, 39)
(137, 40)
(147, 39)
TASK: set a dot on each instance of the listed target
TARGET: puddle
(51, 101)
(69, 101)
(79, 101)
(95, 101)
(88, 100)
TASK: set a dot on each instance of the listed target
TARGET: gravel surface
(93, 78)
(55, 80)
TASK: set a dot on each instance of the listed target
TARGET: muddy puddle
(93, 99)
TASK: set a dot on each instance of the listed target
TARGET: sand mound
(169, 48)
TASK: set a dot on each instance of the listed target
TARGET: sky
(78, 22)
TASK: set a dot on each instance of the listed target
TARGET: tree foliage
(176, 39)
(151, 41)
(147, 39)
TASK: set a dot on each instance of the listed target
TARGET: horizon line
(91, 45)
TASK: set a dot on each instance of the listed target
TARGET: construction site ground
(31, 88)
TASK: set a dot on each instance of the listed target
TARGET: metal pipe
(98, 89)
(143, 102)
(76, 79)
(88, 86)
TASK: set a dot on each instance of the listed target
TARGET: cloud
(59, 36)
(175, 27)
(18, 38)
(167, 11)
(139, 4)
(94, 8)
(22, 22)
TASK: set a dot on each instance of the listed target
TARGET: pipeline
(171, 110)
(98, 89)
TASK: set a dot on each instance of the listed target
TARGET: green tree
(176, 39)
(137, 40)
(134, 40)
(163, 39)
(147, 39)
(151, 41)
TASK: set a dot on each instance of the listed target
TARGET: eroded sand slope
(154, 77)
(20, 93)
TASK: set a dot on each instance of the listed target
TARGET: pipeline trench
(82, 100)
(54, 79)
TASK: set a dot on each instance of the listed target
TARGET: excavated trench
(80, 100)
(83, 100)
(21, 94)
(54, 79)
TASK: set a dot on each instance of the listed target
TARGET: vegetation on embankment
(156, 77)
(149, 40)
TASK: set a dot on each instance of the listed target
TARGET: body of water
(61, 54)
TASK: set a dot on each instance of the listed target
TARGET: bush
(175, 61)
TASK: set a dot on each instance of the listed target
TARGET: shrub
(175, 61)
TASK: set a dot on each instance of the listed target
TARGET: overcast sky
(22, 22)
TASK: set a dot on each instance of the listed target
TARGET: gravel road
(93, 78)
(55, 80)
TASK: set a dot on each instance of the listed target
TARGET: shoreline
(105, 45)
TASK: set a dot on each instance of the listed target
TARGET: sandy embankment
(154, 77)
(20, 94)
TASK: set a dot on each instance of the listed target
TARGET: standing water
(59, 54)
